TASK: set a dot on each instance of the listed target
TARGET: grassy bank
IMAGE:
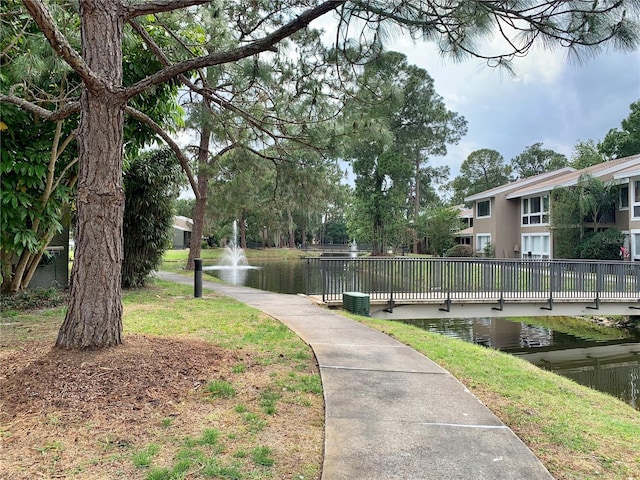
(200, 388)
(209, 254)
(175, 260)
(577, 432)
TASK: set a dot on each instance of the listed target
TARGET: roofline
(520, 183)
(632, 173)
(574, 180)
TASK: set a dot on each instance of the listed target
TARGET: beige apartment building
(514, 218)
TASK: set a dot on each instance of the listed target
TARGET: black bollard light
(197, 278)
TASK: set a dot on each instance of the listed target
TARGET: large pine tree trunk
(94, 317)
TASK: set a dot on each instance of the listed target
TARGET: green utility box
(356, 302)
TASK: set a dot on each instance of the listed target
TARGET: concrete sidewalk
(390, 412)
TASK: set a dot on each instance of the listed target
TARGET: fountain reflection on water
(234, 266)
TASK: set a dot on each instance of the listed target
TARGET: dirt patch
(68, 414)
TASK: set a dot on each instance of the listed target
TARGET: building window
(536, 246)
(623, 200)
(482, 240)
(635, 245)
(483, 209)
(535, 210)
(636, 199)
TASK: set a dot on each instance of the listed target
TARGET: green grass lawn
(175, 260)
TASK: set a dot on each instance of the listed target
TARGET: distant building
(465, 236)
(514, 218)
(182, 228)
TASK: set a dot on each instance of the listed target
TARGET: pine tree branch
(182, 158)
(60, 45)
(60, 114)
(158, 6)
(263, 44)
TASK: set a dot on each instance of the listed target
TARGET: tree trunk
(243, 230)
(292, 230)
(195, 245)
(94, 317)
(6, 265)
(416, 211)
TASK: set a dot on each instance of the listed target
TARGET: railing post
(552, 277)
(391, 268)
(322, 280)
(599, 280)
(197, 278)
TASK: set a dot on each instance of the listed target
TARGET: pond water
(611, 366)
(608, 365)
(282, 276)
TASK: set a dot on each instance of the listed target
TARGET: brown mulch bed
(116, 384)
(71, 414)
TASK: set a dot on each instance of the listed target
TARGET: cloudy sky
(551, 99)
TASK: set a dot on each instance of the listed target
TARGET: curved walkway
(390, 412)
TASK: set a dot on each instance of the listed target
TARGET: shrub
(32, 299)
(603, 245)
(488, 251)
(151, 188)
(460, 251)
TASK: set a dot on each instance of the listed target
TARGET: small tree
(565, 222)
(439, 225)
(596, 200)
(590, 203)
(489, 251)
(151, 188)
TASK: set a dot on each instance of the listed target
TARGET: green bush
(151, 185)
(33, 299)
(603, 245)
(460, 251)
(488, 251)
